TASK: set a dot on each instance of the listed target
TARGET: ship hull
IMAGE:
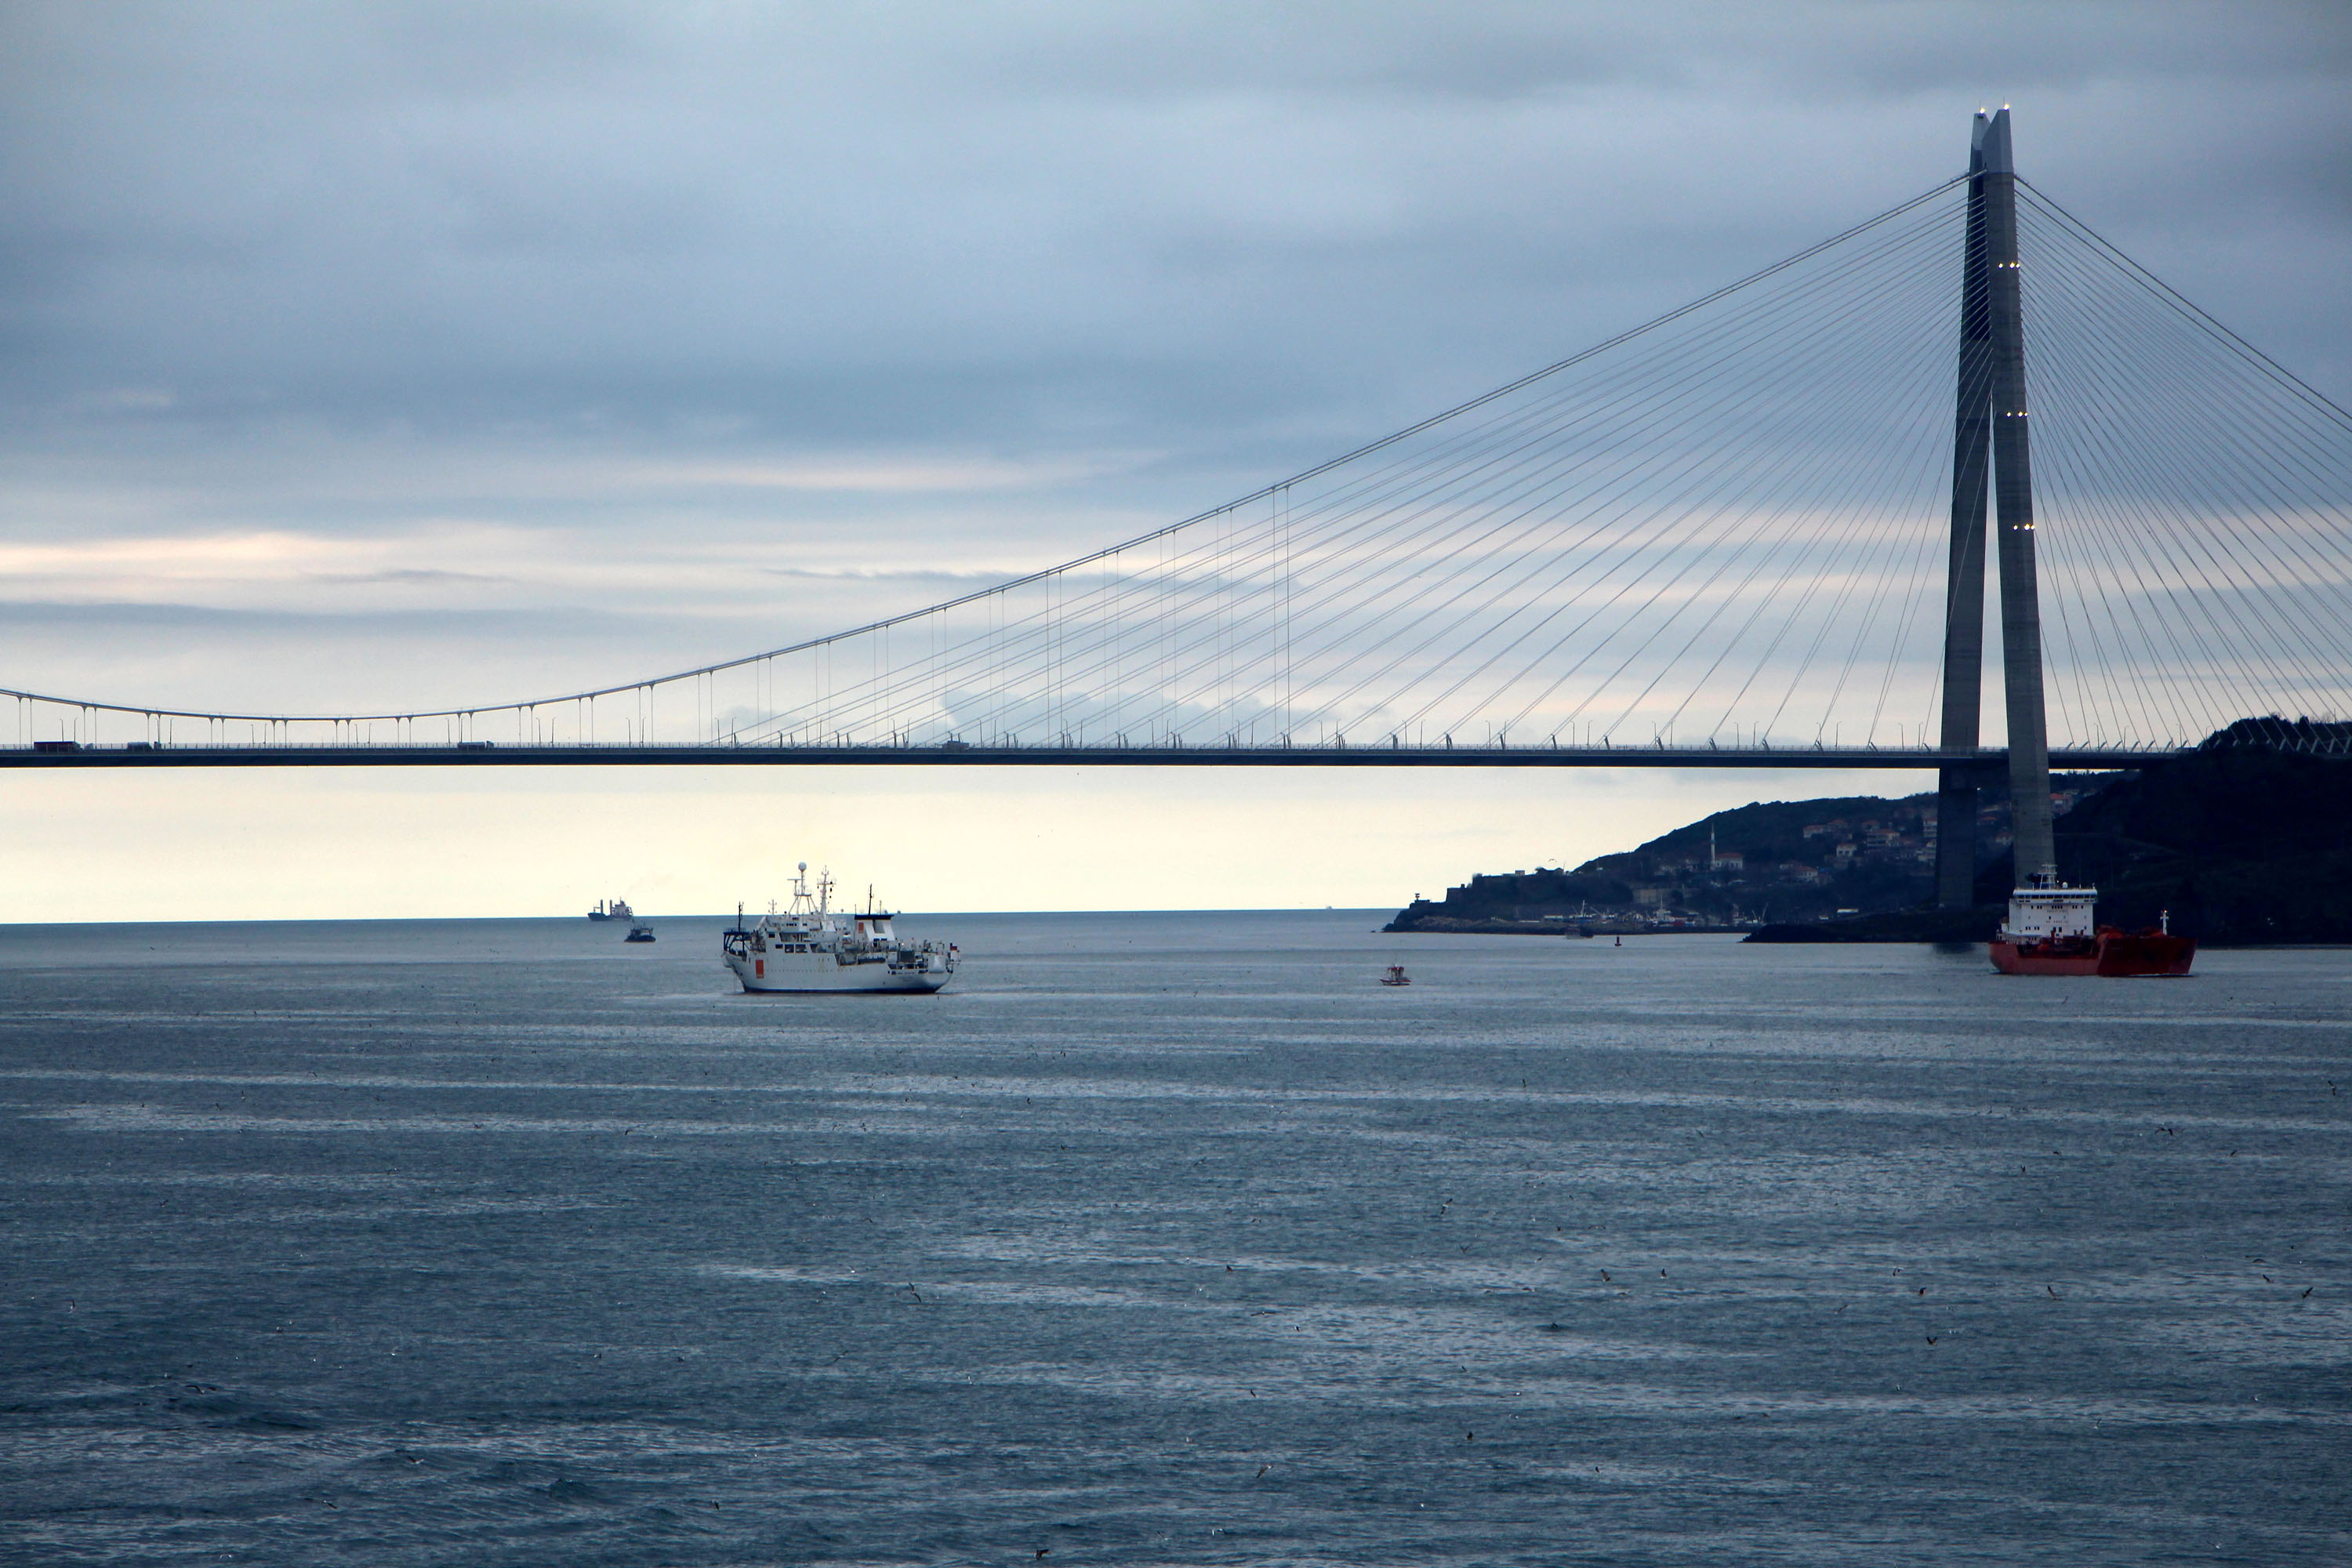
(2114, 955)
(807, 973)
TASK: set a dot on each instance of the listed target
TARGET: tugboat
(618, 910)
(1396, 976)
(809, 947)
(2050, 932)
(639, 933)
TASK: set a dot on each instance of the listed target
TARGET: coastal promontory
(2246, 840)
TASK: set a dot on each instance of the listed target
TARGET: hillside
(2244, 845)
(2242, 842)
(1801, 860)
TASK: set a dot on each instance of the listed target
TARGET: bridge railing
(1173, 752)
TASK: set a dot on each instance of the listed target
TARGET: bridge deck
(505, 754)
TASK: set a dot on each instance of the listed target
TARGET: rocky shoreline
(1573, 930)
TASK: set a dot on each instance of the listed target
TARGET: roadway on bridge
(494, 754)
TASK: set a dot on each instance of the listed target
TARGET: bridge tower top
(1992, 151)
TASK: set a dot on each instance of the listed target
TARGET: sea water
(1164, 1239)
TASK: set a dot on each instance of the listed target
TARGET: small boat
(639, 933)
(2050, 930)
(1396, 976)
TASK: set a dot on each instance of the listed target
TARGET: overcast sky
(408, 353)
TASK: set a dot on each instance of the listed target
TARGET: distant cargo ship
(809, 947)
(618, 910)
(2050, 930)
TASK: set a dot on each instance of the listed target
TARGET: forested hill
(2242, 843)
(1782, 860)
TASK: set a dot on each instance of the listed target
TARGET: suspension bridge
(1751, 533)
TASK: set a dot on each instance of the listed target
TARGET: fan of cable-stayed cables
(1727, 526)
(1723, 524)
(2193, 504)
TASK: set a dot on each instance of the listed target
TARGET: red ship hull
(2113, 953)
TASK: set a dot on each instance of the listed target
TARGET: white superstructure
(2046, 909)
(810, 947)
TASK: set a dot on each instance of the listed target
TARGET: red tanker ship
(2050, 932)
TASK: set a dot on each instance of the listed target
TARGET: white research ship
(809, 947)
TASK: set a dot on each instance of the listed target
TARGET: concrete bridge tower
(1991, 452)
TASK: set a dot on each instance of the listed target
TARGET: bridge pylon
(1991, 458)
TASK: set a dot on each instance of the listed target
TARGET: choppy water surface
(1164, 1239)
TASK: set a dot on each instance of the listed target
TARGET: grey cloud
(22, 614)
(199, 657)
(609, 215)
(298, 264)
(415, 576)
(945, 579)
